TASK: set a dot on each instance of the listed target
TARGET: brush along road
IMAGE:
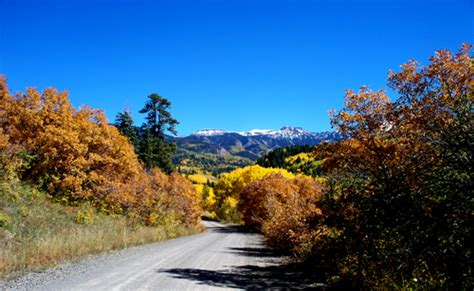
(221, 257)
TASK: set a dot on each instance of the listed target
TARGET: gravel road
(221, 257)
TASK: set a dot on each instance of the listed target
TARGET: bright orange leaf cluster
(285, 210)
(77, 156)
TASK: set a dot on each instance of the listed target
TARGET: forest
(388, 206)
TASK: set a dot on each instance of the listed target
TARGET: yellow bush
(232, 184)
(198, 178)
(208, 199)
(229, 211)
(85, 216)
(300, 156)
(176, 194)
(199, 188)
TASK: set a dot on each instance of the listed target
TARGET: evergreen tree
(158, 118)
(146, 145)
(154, 151)
(124, 123)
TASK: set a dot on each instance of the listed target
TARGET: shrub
(231, 185)
(285, 210)
(177, 194)
(4, 219)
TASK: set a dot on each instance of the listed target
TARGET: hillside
(36, 232)
(296, 159)
(222, 151)
(214, 164)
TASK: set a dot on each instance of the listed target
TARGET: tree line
(277, 157)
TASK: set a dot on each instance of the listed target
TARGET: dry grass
(36, 233)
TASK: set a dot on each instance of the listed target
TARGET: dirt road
(222, 257)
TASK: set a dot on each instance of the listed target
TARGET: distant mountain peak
(217, 147)
(255, 132)
(292, 128)
(293, 132)
(209, 132)
(287, 135)
(285, 132)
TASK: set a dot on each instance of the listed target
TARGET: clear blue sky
(226, 64)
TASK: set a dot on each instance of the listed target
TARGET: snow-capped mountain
(293, 133)
(286, 132)
(209, 132)
(255, 132)
(249, 144)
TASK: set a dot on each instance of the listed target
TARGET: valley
(254, 145)
(215, 151)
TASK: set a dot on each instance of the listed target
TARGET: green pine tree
(154, 151)
(124, 123)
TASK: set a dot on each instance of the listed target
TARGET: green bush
(4, 219)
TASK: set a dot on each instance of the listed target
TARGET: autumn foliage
(230, 186)
(77, 156)
(284, 210)
(393, 205)
(400, 190)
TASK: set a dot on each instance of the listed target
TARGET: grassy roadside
(36, 233)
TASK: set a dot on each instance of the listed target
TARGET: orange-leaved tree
(285, 210)
(399, 186)
(77, 156)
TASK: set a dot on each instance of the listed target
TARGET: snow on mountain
(247, 145)
(255, 132)
(286, 132)
(293, 132)
(214, 132)
(209, 132)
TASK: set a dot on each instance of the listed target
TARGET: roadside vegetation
(36, 233)
(204, 185)
(230, 186)
(392, 203)
(71, 184)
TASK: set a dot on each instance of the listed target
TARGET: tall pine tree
(154, 151)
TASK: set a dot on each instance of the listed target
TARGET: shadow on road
(229, 229)
(259, 252)
(249, 277)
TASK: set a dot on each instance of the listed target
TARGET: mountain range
(219, 150)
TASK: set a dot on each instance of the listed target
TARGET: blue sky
(226, 64)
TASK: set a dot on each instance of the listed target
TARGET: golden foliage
(397, 188)
(230, 186)
(77, 156)
(198, 178)
(395, 208)
(285, 210)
